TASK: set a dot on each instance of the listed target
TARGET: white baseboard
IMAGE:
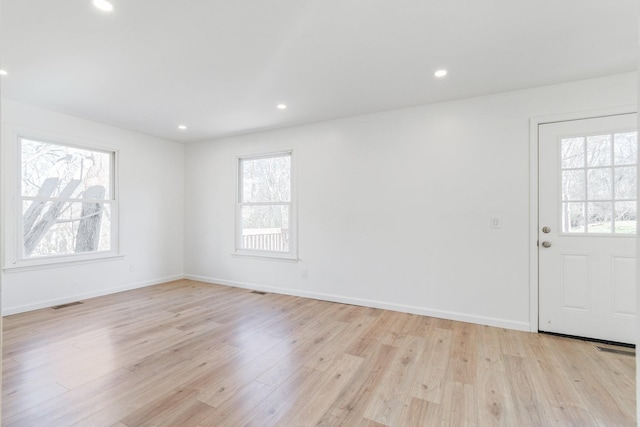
(424, 311)
(77, 297)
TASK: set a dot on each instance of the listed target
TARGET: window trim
(14, 259)
(292, 255)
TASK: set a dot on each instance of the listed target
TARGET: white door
(587, 227)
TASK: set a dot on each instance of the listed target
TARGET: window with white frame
(67, 202)
(265, 220)
(599, 181)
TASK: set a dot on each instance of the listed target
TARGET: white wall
(394, 207)
(638, 292)
(151, 184)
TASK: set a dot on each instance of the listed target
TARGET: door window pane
(572, 152)
(573, 187)
(625, 148)
(573, 218)
(599, 184)
(625, 183)
(599, 217)
(599, 150)
(626, 216)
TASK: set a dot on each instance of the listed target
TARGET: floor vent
(57, 307)
(616, 351)
(258, 292)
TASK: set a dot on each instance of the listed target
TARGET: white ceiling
(221, 67)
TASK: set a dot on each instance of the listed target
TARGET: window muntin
(67, 200)
(265, 206)
(599, 178)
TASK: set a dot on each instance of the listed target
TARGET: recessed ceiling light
(440, 73)
(103, 5)
(281, 107)
(3, 73)
(182, 127)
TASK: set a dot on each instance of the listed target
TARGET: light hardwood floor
(187, 353)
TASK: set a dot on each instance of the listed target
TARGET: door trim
(534, 124)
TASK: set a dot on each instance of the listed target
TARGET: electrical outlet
(305, 274)
(132, 267)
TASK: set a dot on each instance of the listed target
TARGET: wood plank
(386, 404)
(335, 379)
(463, 356)
(285, 397)
(418, 412)
(529, 406)
(190, 353)
(234, 409)
(222, 384)
(350, 405)
(558, 398)
(429, 382)
(494, 397)
(459, 407)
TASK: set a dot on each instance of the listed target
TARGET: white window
(67, 206)
(265, 209)
(599, 183)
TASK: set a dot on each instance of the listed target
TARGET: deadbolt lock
(546, 229)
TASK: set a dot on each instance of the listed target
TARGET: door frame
(534, 143)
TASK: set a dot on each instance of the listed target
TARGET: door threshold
(614, 343)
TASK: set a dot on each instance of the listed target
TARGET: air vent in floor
(57, 307)
(616, 351)
(258, 292)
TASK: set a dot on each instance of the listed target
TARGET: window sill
(59, 262)
(266, 256)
